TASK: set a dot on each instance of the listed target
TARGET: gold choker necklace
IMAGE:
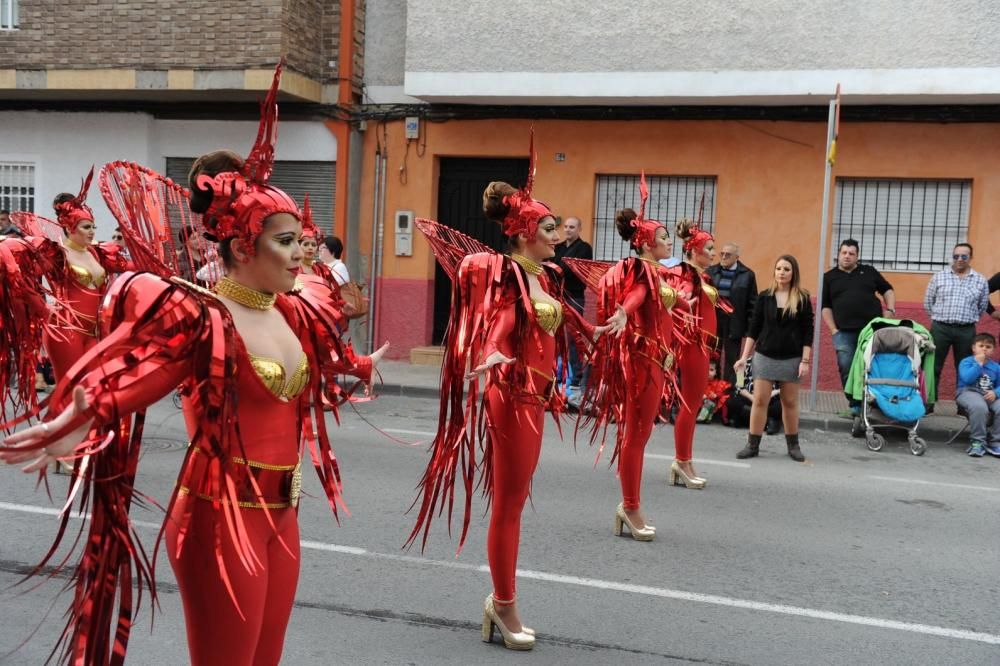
(73, 245)
(244, 295)
(531, 267)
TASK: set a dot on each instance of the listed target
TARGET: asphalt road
(851, 558)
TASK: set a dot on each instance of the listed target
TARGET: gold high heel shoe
(520, 640)
(647, 533)
(677, 473)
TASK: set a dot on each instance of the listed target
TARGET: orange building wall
(770, 179)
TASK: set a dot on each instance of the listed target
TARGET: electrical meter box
(404, 233)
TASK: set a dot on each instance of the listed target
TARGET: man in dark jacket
(574, 247)
(994, 285)
(738, 285)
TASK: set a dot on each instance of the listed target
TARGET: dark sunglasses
(960, 257)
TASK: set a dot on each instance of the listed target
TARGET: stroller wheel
(177, 399)
(875, 441)
(918, 446)
(858, 427)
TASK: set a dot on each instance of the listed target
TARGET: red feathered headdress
(645, 230)
(309, 228)
(71, 213)
(242, 199)
(699, 237)
(525, 212)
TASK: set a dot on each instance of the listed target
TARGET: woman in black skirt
(781, 331)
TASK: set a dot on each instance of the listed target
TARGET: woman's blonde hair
(796, 294)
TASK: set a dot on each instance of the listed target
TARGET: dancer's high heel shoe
(647, 533)
(677, 474)
(520, 640)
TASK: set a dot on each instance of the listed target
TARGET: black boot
(751, 449)
(794, 452)
(772, 427)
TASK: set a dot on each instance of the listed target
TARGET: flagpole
(829, 158)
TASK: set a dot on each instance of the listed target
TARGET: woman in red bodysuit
(629, 373)
(692, 362)
(258, 354)
(506, 325)
(79, 273)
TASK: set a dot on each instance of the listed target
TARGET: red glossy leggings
(65, 352)
(693, 365)
(216, 632)
(640, 415)
(515, 428)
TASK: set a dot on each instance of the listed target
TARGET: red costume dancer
(628, 378)
(692, 362)
(506, 323)
(257, 361)
(310, 240)
(78, 272)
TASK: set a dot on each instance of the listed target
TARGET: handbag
(353, 294)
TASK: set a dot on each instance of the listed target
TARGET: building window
(671, 198)
(902, 225)
(8, 15)
(17, 186)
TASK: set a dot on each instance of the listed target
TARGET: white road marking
(702, 461)
(935, 483)
(399, 431)
(613, 586)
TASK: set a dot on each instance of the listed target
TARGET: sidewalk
(423, 381)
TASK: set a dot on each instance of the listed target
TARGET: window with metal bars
(671, 198)
(902, 225)
(8, 15)
(17, 186)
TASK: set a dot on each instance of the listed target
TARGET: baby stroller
(893, 358)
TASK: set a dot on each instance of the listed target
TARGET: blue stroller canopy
(896, 389)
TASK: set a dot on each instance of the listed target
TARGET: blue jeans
(845, 342)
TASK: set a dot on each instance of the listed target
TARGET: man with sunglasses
(955, 300)
(738, 285)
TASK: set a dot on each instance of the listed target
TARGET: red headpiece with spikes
(309, 228)
(699, 237)
(645, 230)
(242, 199)
(525, 212)
(71, 213)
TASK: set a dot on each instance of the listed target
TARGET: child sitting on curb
(978, 381)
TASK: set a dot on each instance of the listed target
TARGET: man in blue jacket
(978, 381)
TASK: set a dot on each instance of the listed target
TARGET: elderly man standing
(574, 247)
(738, 285)
(955, 300)
(850, 300)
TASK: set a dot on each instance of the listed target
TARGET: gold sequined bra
(711, 292)
(668, 296)
(272, 374)
(85, 278)
(549, 315)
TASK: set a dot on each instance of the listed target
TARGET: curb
(403, 391)
(807, 420)
(834, 423)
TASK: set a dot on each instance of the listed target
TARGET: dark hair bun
(493, 206)
(210, 164)
(623, 222)
(62, 198)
